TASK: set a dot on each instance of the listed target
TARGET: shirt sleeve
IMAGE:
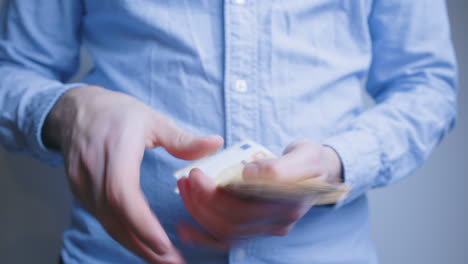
(413, 80)
(39, 51)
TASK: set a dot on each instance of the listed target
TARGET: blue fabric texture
(271, 71)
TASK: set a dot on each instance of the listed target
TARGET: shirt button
(240, 255)
(239, 2)
(241, 86)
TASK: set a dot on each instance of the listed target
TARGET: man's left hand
(228, 218)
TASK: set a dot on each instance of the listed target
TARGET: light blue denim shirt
(269, 70)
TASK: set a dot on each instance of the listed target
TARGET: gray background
(422, 219)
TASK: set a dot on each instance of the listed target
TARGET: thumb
(298, 163)
(184, 145)
(133, 223)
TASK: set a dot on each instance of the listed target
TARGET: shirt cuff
(40, 151)
(360, 155)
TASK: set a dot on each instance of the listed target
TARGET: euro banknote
(225, 169)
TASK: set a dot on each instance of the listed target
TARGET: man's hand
(102, 135)
(228, 218)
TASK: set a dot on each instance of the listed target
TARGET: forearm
(38, 54)
(26, 98)
(387, 144)
(413, 80)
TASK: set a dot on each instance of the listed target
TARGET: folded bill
(225, 168)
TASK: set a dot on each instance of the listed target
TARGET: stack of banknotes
(225, 168)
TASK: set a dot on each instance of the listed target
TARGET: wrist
(50, 134)
(334, 165)
(52, 130)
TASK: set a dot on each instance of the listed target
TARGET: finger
(198, 191)
(265, 218)
(223, 228)
(191, 235)
(84, 189)
(196, 205)
(236, 209)
(183, 144)
(125, 197)
(281, 229)
(78, 179)
(201, 182)
(298, 164)
(127, 238)
(242, 210)
(143, 223)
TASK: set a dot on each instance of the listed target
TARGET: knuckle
(179, 138)
(272, 171)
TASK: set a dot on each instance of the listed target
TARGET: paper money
(225, 168)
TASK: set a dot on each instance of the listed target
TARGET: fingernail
(251, 171)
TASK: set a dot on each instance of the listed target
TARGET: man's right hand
(102, 135)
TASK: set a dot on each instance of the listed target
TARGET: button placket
(240, 66)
